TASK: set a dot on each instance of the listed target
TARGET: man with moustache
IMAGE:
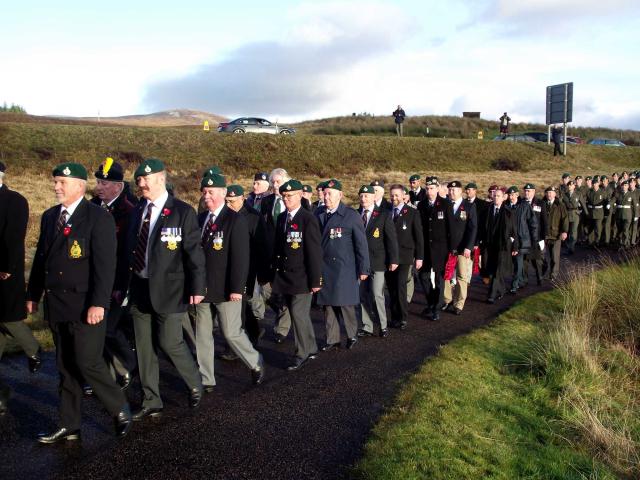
(110, 196)
(167, 275)
(345, 264)
(74, 267)
(297, 268)
(383, 256)
(225, 241)
(434, 219)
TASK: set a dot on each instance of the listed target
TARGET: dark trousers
(397, 285)
(556, 149)
(300, 307)
(22, 334)
(517, 280)
(155, 330)
(433, 293)
(117, 350)
(79, 348)
(534, 259)
(249, 320)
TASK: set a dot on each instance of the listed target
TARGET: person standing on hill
(399, 116)
(504, 124)
(556, 136)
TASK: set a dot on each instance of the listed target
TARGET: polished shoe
(364, 333)
(124, 381)
(491, 300)
(87, 390)
(60, 434)
(499, 297)
(123, 422)
(457, 311)
(280, 338)
(297, 363)
(351, 342)
(435, 316)
(384, 333)
(209, 388)
(513, 291)
(35, 361)
(195, 397)
(402, 325)
(147, 412)
(330, 346)
(445, 307)
(257, 374)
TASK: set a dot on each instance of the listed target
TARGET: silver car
(254, 125)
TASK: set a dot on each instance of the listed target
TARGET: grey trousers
(331, 317)
(300, 306)
(22, 334)
(283, 319)
(372, 297)
(230, 318)
(552, 258)
(411, 285)
(153, 331)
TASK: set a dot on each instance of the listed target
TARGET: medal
(218, 241)
(376, 233)
(75, 251)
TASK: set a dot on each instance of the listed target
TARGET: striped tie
(62, 220)
(207, 229)
(140, 261)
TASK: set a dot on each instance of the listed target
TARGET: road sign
(206, 125)
(560, 103)
(480, 135)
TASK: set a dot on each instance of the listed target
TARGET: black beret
(110, 171)
(261, 176)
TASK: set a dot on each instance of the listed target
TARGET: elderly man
(379, 200)
(225, 241)
(320, 195)
(527, 228)
(167, 275)
(14, 216)
(383, 256)
(297, 268)
(345, 263)
(110, 196)
(260, 190)
(556, 226)
(74, 266)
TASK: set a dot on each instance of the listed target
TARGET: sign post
(559, 108)
(206, 126)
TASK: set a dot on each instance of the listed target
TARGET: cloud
(289, 76)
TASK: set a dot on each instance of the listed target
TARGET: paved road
(309, 424)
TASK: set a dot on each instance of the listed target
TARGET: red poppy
(294, 226)
(214, 227)
(461, 207)
(67, 231)
(404, 211)
(375, 213)
(166, 212)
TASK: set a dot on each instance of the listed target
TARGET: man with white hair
(74, 267)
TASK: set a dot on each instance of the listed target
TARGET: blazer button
(60, 273)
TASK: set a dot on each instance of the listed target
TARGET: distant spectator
(399, 118)
(556, 136)
(504, 123)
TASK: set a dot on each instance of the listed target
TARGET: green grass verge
(485, 407)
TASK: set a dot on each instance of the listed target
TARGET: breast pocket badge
(376, 233)
(440, 215)
(463, 215)
(171, 236)
(76, 249)
(218, 241)
(335, 233)
(294, 239)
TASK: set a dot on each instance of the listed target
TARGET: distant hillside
(445, 126)
(169, 118)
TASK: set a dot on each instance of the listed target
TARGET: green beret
(70, 170)
(290, 186)
(529, 186)
(588, 178)
(579, 177)
(335, 184)
(432, 181)
(149, 166)
(550, 188)
(235, 191)
(513, 189)
(471, 185)
(596, 178)
(570, 182)
(215, 180)
(414, 177)
(565, 175)
(321, 186)
(603, 177)
(211, 171)
(455, 184)
(365, 189)
(307, 188)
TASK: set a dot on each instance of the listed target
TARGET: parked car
(609, 142)
(537, 136)
(576, 140)
(254, 125)
(514, 137)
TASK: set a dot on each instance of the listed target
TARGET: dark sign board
(471, 114)
(560, 103)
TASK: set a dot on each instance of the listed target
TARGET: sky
(298, 60)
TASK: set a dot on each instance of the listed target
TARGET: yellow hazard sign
(206, 126)
(480, 135)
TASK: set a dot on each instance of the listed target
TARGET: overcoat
(435, 232)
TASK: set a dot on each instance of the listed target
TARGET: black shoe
(364, 333)
(513, 291)
(147, 412)
(4, 399)
(330, 346)
(298, 363)
(209, 388)
(124, 381)
(499, 297)
(457, 311)
(87, 390)
(435, 315)
(229, 356)
(451, 308)
(279, 338)
(195, 397)
(384, 333)
(60, 434)
(123, 422)
(257, 374)
(491, 300)
(35, 361)
(402, 325)
(445, 307)
(351, 342)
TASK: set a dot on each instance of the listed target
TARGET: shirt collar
(160, 201)
(71, 208)
(399, 207)
(293, 212)
(217, 211)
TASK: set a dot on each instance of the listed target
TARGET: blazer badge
(75, 251)
(376, 233)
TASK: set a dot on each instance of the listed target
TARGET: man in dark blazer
(383, 256)
(410, 252)
(74, 266)
(527, 228)
(463, 228)
(225, 242)
(167, 274)
(110, 196)
(14, 217)
(380, 201)
(535, 255)
(417, 193)
(297, 268)
(434, 219)
(320, 194)
(345, 264)
(260, 190)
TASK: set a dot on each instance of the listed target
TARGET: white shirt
(456, 205)
(398, 208)
(215, 213)
(158, 205)
(369, 211)
(71, 208)
(290, 215)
